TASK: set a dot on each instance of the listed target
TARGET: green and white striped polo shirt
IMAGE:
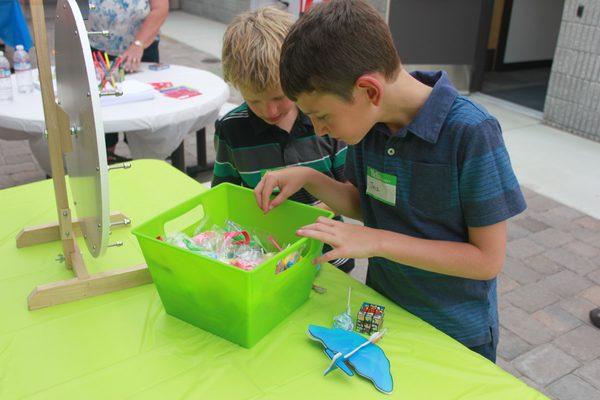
(247, 147)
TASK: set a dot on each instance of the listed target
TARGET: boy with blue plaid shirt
(429, 174)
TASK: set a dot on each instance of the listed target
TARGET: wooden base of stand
(51, 233)
(83, 284)
(80, 288)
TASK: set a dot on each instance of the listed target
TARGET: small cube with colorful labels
(370, 318)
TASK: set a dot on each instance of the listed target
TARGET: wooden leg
(78, 288)
(78, 265)
(56, 124)
(178, 158)
(51, 232)
(201, 146)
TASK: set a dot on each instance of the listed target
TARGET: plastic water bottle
(6, 93)
(22, 67)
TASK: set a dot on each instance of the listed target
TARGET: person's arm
(489, 195)
(341, 197)
(159, 10)
(224, 169)
(481, 258)
(338, 160)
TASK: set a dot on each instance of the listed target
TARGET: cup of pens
(109, 73)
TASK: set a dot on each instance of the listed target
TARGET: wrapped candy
(203, 237)
(288, 261)
(177, 239)
(233, 245)
(344, 321)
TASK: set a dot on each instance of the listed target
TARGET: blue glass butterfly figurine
(352, 352)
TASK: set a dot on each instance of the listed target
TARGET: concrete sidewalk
(551, 278)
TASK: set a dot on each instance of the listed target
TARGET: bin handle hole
(182, 222)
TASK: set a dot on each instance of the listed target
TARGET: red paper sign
(180, 92)
(161, 85)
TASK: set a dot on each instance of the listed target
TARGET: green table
(123, 345)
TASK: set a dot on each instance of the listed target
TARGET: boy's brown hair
(332, 45)
(252, 47)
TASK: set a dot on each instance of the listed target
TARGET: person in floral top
(133, 27)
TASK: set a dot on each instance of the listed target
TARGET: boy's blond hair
(252, 46)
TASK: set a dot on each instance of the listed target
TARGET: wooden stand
(66, 230)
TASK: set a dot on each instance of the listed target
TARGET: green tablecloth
(123, 345)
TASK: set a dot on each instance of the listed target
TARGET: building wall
(225, 10)
(218, 10)
(573, 99)
(381, 6)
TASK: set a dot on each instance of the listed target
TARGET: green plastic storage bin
(238, 305)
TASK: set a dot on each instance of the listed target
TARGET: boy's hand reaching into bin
(341, 197)
(347, 240)
(288, 181)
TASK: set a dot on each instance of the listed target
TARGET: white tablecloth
(155, 128)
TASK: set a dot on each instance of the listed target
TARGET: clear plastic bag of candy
(233, 244)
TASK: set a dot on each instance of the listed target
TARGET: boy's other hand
(347, 240)
(287, 180)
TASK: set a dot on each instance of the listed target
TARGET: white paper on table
(133, 91)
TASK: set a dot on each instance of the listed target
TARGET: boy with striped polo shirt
(267, 132)
(429, 173)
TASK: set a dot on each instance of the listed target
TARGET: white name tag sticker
(381, 186)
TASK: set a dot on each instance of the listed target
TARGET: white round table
(155, 128)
